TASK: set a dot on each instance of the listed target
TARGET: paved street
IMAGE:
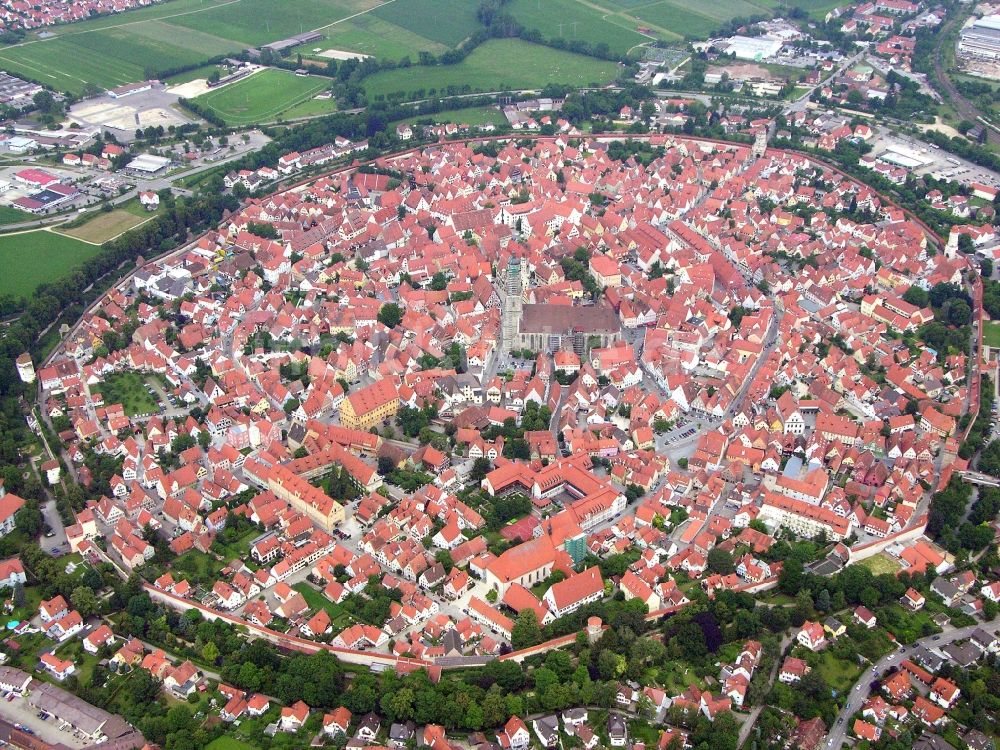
(859, 695)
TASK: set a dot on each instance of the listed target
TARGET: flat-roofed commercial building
(981, 39)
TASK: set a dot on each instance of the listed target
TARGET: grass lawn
(316, 600)
(495, 65)
(32, 598)
(73, 651)
(678, 677)
(262, 96)
(472, 116)
(228, 743)
(32, 646)
(777, 599)
(129, 390)
(107, 224)
(200, 569)
(839, 674)
(192, 180)
(311, 108)
(32, 258)
(991, 333)
(10, 215)
(907, 627)
(192, 75)
(881, 563)
(238, 550)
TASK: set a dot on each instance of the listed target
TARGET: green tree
(84, 600)
(526, 631)
(480, 468)
(210, 652)
(720, 561)
(390, 315)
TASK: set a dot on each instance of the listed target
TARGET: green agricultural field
(261, 97)
(815, 8)
(496, 65)
(445, 21)
(677, 19)
(161, 10)
(572, 19)
(261, 21)
(682, 18)
(373, 36)
(39, 256)
(10, 215)
(64, 66)
(109, 52)
(113, 56)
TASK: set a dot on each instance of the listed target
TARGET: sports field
(262, 97)
(496, 65)
(35, 257)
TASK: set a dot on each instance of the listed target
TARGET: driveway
(52, 518)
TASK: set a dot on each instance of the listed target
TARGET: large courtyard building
(369, 406)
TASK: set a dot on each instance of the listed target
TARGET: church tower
(513, 301)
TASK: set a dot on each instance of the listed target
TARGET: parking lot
(937, 162)
(18, 711)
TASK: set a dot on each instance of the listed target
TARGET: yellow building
(319, 507)
(605, 271)
(369, 406)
